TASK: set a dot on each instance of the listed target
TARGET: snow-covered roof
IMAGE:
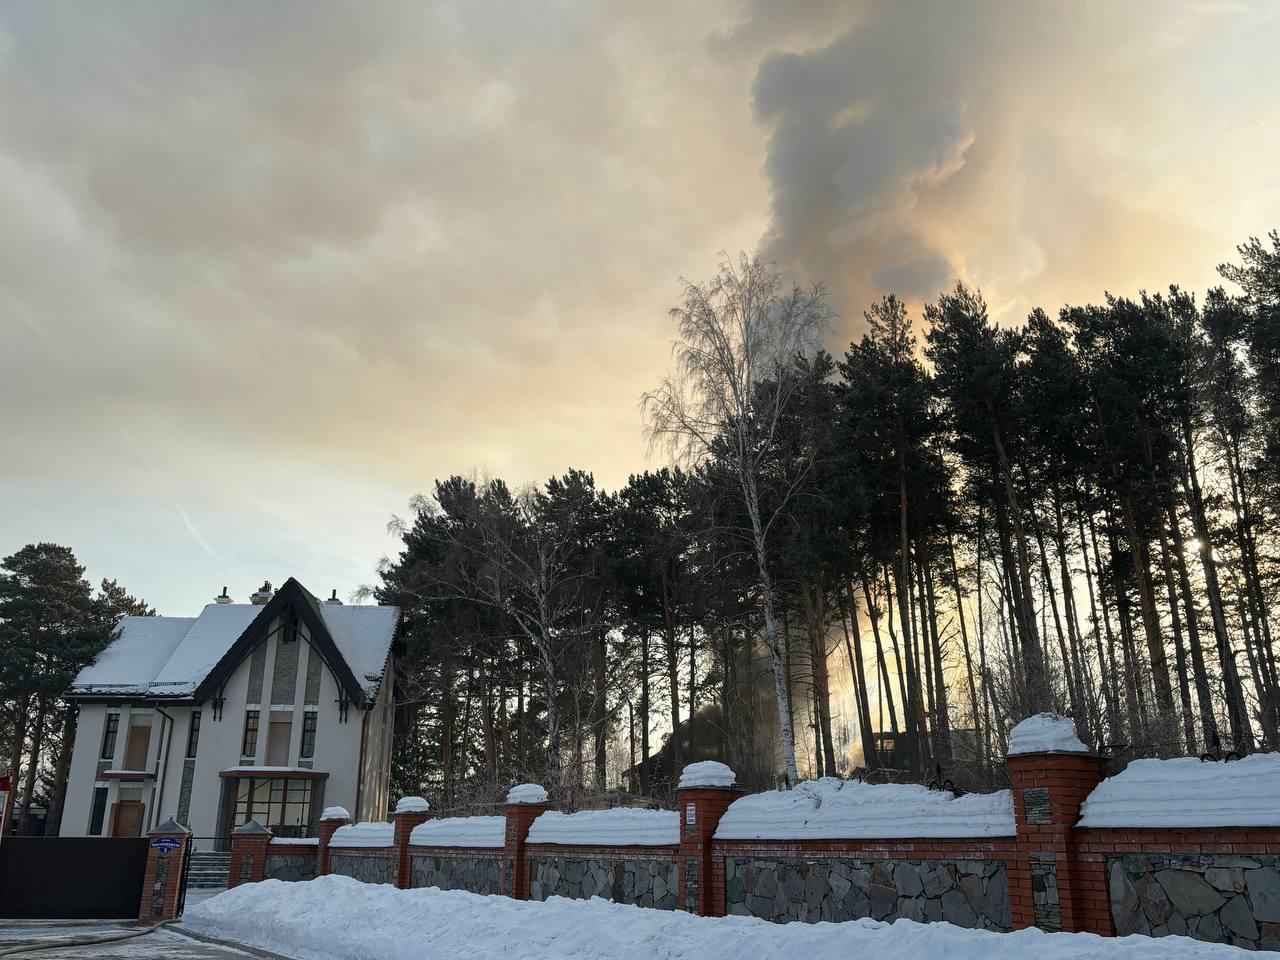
(461, 832)
(622, 826)
(1187, 793)
(365, 834)
(363, 634)
(831, 809)
(172, 656)
(1045, 733)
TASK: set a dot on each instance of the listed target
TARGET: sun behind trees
(875, 563)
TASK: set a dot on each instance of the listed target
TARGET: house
(267, 711)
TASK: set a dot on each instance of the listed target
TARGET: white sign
(690, 813)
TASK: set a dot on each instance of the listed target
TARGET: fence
(1167, 847)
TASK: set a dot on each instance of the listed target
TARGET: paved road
(161, 945)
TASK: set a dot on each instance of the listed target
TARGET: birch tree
(732, 385)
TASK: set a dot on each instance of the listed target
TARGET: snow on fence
(1166, 847)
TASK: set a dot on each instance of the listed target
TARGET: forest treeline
(875, 561)
(878, 560)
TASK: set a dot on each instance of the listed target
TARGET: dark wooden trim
(292, 597)
(126, 775)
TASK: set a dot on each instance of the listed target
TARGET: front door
(126, 820)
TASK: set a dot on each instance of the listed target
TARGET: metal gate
(72, 878)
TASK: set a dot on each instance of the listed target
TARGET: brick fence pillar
(330, 821)
(525, 804)
(410, 811)
(162, 881)
(1051, 887)
(706, 790)
(249, 844)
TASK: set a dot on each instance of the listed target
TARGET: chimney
(222, 597)
(263, 594)
(334, 601)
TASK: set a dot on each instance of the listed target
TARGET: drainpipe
(162, 767)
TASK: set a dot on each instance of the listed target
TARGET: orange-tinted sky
(266, 270)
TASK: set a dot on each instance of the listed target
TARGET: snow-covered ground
(337, 918)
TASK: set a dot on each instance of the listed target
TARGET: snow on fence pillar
(248, 853)
(703, 795)
(162, 881)
(410, 811)
(1051, 773)
(525, 804)
(330, 821)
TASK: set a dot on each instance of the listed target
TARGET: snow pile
(364, 835)
(706, 773)
(337, 918)
(335, 813)
(295, 841)
(461, 832)
(412, 805)
(1187, 793)
(831, 809)
(622, 826)
(527, 793)
(1045, 733)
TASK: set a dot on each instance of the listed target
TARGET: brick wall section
(515, 862)
(700, 810)
(325, 834)
(404, 824)
(166, 870)
(1094, 845)
(248, 858)
(1048, 790)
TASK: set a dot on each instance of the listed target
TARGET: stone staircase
(209, 869)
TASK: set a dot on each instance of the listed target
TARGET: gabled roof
(190, 657)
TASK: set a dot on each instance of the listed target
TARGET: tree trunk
(673, 671)
(857, 669)
(1204, 698)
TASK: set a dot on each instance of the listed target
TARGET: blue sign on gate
(166, 844)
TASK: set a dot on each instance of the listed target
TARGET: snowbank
(621, 826)
(1045, 733)
(527, 793)
(461, 832)
(335, 813)
(295, 841)
(337, 918)
(1187, 793)
(707, 773)
(412, 805)
(364, 835)
(831, 809)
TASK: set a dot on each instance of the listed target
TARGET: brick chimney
(333, 600)
(262, 595)
(222, 597)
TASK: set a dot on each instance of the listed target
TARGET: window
(278, 734)
(309, 733)
(249, 747)
(109, 736)
(193, 734)
(137, 747)
(281, 804)
(99, 813)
